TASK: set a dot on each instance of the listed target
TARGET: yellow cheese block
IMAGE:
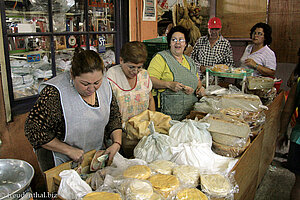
(102, 196)
(191, 194)
(137, 171)
(164, 184)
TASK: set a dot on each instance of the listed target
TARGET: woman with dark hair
(174, 76)
(258, 55)
(72, 113)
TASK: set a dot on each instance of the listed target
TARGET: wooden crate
(52, 175)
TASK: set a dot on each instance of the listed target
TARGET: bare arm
(116, 137)
(172, 85)
(263, 70)
(286, 114)
(151, 102)
(61, 147)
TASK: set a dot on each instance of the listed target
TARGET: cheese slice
(102, 196)
(191, 194)
(137, 171)
(228, 125)
(229, 140)
(215, 184)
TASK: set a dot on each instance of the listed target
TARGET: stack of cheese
(230, 134)
(102, 196)
(255, 120)
(188, 175)
(247, 102)
(191, 194)
(164, 184)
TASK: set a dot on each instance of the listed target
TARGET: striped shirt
(265, 57)
(205, 55)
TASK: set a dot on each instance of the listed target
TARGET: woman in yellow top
(174, 75)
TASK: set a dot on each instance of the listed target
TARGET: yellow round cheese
(136, 189)
(191, 194)
(162, 166)
(137, 171)
(164, 184)
(188, 175)
(102, 196)
(215, 184)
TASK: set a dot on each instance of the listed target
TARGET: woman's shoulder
(113, 71)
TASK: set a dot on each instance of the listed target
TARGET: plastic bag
(72, 186)
(219, 185)
(155, 146)
(136, 189)
(190, 130)
(187, 174)
(201, 156)
(209, 104)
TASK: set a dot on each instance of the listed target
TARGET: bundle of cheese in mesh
(102, 196)
(216, 185)
(164, 184)
(162, 166)
(142, 172)
(188, 175)
(246, 102)
(135, 189)
(191, 193)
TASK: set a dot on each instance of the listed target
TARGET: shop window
(40, 38)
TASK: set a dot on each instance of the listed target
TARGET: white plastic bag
(72, 186)
(201, 156)
(189, 130)
(155, 146)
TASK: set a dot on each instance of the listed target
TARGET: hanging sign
(101, 46)
(149, 10)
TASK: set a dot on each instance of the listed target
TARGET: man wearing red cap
(213, 48)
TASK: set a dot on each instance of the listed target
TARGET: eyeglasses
(258, 33)
(175, 40)
(132, 68)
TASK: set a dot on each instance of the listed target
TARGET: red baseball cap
(214, 22)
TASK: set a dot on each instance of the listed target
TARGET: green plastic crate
(153, 46)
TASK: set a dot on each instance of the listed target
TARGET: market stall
(249, 169)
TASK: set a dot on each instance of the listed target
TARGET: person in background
(213, 48)
(132, 86)
(290, 106)
(258, 55)
(174, 76)
(73, 112)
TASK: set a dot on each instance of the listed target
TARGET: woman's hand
(200, 91)
(175, 86)
(250, 62)
(188, 90)
(111, 151)
(76, 154)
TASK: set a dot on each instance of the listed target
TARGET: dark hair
(85, 61)
(267, 32)
(134, 52)
(181, 30)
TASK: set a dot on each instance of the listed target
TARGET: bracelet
(118, 143)
(256, 66)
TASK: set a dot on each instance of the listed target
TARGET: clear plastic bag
(188, 175)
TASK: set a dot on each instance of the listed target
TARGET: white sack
(201, 156)
(155, 146)
(189, 130)
(72, 186)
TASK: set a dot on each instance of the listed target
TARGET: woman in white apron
(73, 112)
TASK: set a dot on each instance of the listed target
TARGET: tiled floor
(278, 181)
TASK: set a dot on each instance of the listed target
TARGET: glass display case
(40, 38)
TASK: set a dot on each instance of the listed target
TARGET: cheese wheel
(215, 184)
(229, 140)
(229, 151)
(191, 194)
(162, 166)
(188, 175)
(136, 189)
(102, 196)
(137, 171)
(164, 184)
